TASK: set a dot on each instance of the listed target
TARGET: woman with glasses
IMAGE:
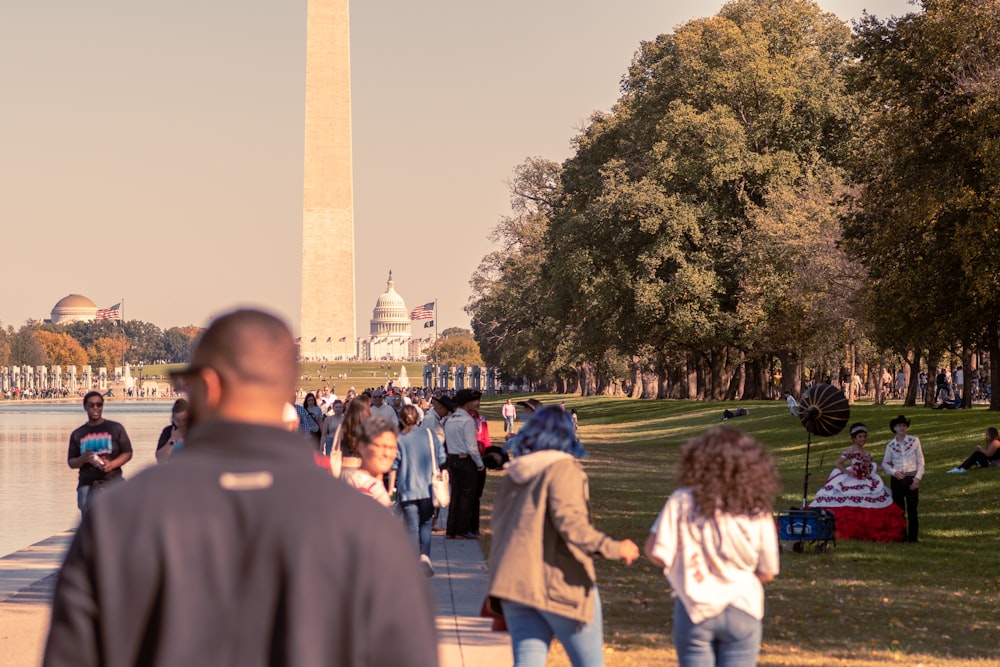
(377, 446)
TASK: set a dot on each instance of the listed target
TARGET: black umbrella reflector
(824, 410)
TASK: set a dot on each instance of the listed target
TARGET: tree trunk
(585, 374)
(791, 372)
(737, 380)
(716, 391)
(966, 376)
(691, 384)
(993, 347)
(650, 384)
(636, 374)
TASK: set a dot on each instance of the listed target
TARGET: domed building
(389, 335)
(74, 308)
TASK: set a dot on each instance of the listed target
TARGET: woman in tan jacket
(541, 558)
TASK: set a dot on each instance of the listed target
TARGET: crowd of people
(254, 525)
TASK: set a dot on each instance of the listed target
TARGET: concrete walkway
(27, 580)
(464, 639)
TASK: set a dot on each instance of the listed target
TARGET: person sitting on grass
(982, 457)
(950, 404)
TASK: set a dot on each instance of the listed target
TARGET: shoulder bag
(336, 454)
(440, 484)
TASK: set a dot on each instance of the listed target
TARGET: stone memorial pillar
(71, 378)
(491, 380)
(86, 378)
(476, 378)
(57, 378)
(43, 377)
(443, 370)
(459, 378)
(428, 376)
(102, 379)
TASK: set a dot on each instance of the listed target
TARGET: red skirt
(868, 524)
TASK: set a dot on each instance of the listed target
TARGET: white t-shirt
(712, 563)
(385, 411)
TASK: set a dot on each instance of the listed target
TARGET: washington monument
(328, 320)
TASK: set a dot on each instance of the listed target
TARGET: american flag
(111, 313)
(424, 312)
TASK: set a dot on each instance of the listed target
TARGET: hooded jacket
(541, 554)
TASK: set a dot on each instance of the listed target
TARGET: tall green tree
(509, 307)
(25, 350)
(661, 240)
(927, 220)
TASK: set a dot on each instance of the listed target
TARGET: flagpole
(438, 370)
(122, 323)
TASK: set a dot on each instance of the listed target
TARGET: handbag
(491, 609)
(336, 454)
(440, 483)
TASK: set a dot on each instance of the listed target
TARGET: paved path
(27, 579)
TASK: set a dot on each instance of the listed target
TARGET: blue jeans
(531, 632)
(418, 515)
(508, 424)
(731, 639)
(82, 495)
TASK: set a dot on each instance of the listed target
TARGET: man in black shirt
(98, 449)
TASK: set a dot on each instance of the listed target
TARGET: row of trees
(98, 343)
(772, 192)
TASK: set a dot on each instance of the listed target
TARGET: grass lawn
(936, 602)
(360, 375)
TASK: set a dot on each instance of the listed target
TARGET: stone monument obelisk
(328, 326)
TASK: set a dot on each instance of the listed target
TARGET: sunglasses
(92, 404)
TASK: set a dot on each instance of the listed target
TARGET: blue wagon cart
(800, 527)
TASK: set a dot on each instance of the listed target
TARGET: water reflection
(38, 489)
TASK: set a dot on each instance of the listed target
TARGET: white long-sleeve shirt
(906, 456)
(460, 436)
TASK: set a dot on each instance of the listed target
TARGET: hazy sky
(153, 150)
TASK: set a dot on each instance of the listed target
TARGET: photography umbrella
(824, 411)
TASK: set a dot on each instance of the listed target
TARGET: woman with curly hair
(542, 554)
(717, 544)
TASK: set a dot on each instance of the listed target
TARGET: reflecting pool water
(37, 488)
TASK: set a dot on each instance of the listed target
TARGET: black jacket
(240, 551)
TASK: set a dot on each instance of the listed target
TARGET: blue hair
(549, 428)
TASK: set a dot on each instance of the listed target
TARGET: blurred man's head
(244, 368)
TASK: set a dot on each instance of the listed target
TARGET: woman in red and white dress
(857, 497)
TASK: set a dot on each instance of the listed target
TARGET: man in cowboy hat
(904, 461)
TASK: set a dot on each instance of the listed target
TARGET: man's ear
(213, 389)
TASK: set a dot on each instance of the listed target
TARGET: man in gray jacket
(232, 553)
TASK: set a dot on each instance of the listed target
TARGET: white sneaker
(426, 562)
(956, 470)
